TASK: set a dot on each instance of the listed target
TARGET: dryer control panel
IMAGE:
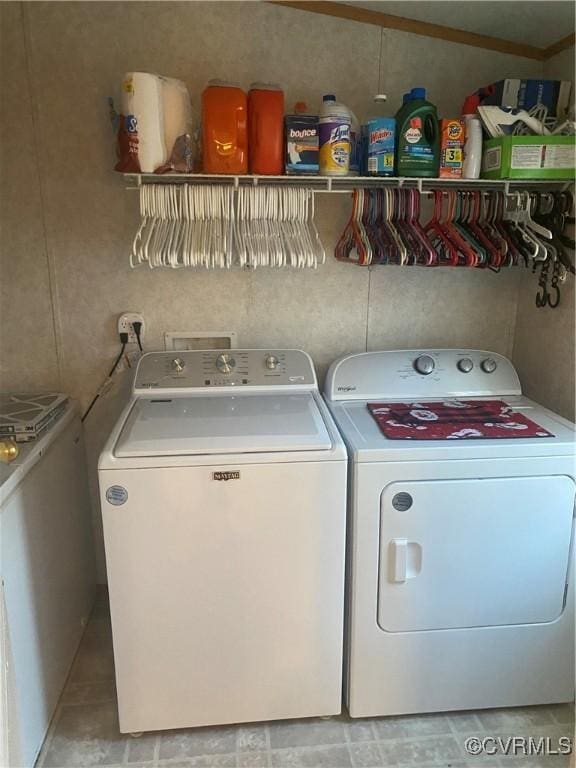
(421, 373)
(252, 369)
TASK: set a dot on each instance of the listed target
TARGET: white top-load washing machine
(223, 491)
(460, 580)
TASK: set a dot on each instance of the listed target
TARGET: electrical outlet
(125, 326)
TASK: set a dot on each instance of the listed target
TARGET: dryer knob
(225, 363)
(489, 365)
(271, 362)
(465, 365)
(178, 364)
(424, 364)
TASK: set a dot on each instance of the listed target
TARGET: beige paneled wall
(77, 53)
(28, 357)
(544, 344)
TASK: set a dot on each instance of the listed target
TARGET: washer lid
(222, 424)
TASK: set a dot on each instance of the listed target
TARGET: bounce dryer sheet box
(452, 137)
(301, 132)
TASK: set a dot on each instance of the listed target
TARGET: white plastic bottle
(472, 147)
(334, 126)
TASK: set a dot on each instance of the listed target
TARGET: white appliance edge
(390, 670)
(226, 573)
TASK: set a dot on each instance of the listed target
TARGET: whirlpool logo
(234, 475)
(349, 388)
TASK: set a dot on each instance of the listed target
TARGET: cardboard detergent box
(529, 157)
(452, 138)
(301, 144)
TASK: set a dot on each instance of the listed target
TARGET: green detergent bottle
(418, 136)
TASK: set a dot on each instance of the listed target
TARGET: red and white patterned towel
(453, 420)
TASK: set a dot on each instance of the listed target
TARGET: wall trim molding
(426, 29)
(560, 45)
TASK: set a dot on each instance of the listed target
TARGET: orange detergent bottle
(266, 129)
(224, 128)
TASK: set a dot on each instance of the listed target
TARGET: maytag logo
(235, 475)
(347, 389)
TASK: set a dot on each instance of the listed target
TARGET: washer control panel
(234, 368)
(425, 373)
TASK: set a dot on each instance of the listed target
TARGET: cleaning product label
(415, 144)
(527, 156)
(451, 146)
(378, 143)
(414, 134)
(558, 157)
(541, 156)
(301, 154)
(492, 159)
(335, 146)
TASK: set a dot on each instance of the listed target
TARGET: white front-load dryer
(460, 588)
(223, 492)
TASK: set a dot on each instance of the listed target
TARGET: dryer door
(474, 553)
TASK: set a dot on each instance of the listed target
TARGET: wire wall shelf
(341, 184)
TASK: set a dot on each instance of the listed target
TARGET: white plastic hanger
(195, 225)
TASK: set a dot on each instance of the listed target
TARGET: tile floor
(85, 731)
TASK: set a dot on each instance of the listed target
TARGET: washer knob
(424, 364)
(225, 363)
(465, 365)
(489, 365)
(178, 364)
(271, 362)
